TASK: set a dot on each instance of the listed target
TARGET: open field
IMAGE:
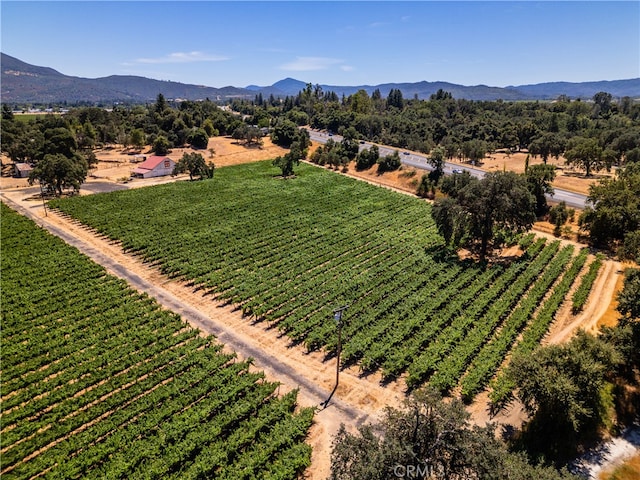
(100, 382)
(288, 251)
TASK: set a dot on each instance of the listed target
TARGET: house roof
(23, 167)
(152, 162)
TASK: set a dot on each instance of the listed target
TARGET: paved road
(572, 199)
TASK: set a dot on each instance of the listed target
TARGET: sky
(240, 43)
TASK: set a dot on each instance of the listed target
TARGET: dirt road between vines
(357, 400)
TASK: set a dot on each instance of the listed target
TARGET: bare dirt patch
(117, 163)
(567, 177)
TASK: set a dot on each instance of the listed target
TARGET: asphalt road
(572, 199)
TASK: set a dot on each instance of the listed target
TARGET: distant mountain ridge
(25, 83)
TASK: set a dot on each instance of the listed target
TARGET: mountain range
(25, 83)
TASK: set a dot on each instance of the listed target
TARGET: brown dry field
(365, 393)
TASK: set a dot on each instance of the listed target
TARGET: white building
(155, 166)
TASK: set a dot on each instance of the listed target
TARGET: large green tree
(629, 296)
(587, 154)
(547, 145)
(367, 158)
(429, 439)
(539, 179)
(195, 164)
(615, 209)
(199, 138)
(437, 161)
(161, 145)
(287, 161)
(58, 172)
(284, 133)
(485, 212)
(563, 388)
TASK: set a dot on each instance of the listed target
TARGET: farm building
(154, 166)
(21, 170)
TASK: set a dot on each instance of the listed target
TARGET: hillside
(25, 83)
(22, 82)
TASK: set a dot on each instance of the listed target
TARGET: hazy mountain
(617, 88)
(24, 83)
(423, 90)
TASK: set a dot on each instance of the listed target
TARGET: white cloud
(306, 64)
(347, 68)
(183, 57)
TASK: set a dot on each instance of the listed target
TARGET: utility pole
(337, 316)
(44, 205)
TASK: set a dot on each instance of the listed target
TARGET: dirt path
(602, 293)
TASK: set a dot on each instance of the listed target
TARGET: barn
(155, 166)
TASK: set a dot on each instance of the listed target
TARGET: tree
(602, 104)
(389, 163)
(349, 144)
(137, 138)
(240, 132)
(629, 296)
(616, 207)
(539, 178)
(195, 164)
(199, 139)
(161, 145)
(559, 215)
(59, 140)
(27, 146)
(426, 188)
(160, 105)
(367, 158)
(7, 113)
(452, 184)
(284, 133)
(286, 162)
(436, 160)
(474, 150)
(562, 387)
(429, 438)
(484, 212)
(547, 145)
(586, 153)
(58, 172)
(394, 99)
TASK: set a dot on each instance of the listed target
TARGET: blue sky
(239, 43)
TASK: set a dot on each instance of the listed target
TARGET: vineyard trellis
(100, 382)
(287, 252)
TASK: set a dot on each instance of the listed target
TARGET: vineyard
(286, 252)
(99, 382)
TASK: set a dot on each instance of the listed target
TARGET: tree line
(596, 134)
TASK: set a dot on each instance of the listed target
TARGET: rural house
(155, 166)
(21, 170)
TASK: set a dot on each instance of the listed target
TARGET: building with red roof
(155, 166)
